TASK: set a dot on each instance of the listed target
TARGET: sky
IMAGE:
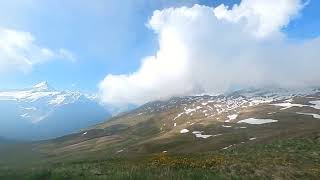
(134, 51)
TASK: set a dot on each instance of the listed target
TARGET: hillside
(205, 136)
(200, 123)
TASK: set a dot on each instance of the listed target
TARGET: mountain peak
(43, 86)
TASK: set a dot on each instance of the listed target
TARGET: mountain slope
(198, 124)
(249, 134)
(42, 112)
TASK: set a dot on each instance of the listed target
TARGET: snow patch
(316, 104)
(257, 121)
(260, 100)
(121, 150)
(289, 100)
(178, 116)
(288, 105)
(30, 108)
(202, 136)
(317, 116)
(58, 100)
(231, 117)
(199, 134)
(183, 131)
(226, 126)
(227, 147)
(25, 115)
(188, 111)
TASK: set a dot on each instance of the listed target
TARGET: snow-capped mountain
(210, 105)
(201, 123)
(43, 112)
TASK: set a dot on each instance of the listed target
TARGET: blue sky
(105, 37)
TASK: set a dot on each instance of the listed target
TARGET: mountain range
(42, 112)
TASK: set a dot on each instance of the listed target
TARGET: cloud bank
(19, 52)
(211, 49)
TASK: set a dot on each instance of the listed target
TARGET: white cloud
(208, 50)
(65, 54)
(262, 17)
(19, 52)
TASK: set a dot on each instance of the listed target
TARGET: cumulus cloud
(211, 49)
(19, 52)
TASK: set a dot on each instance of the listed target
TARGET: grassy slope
(297, 158)
(288, 149)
